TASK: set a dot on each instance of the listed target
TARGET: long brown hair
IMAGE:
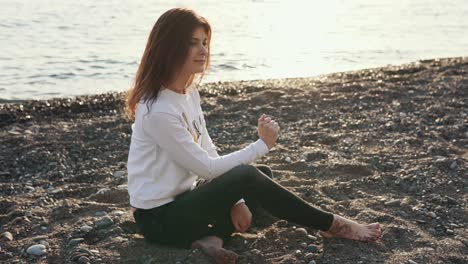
(165, 53)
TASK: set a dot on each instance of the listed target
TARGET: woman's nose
(204, 50)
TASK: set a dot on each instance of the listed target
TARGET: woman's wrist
(268, 145)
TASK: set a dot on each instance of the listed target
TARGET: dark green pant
(205, 211)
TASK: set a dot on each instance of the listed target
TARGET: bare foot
(213, 247)
(345, 228)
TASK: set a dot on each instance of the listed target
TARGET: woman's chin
(198, 72)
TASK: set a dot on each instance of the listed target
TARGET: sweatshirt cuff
(261, 147)
(240, 201)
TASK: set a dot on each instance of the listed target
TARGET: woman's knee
(244, 169)
(247, 172)
(266, 170)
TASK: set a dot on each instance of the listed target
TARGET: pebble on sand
(432, 214)
(302, 232)
(83, 260)
(75, 242)
(100, 213)
(454, 165)
(86, 228)
(6, 236)
(311, 248)
(119, 174)
(103, 222)
(394, 202)
(308, 256)
(37, 250)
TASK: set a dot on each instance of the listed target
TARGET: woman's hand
(241, 217)
(268, 130)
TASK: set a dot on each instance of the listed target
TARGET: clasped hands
(268, 130)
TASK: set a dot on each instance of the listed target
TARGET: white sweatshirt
(170, 148)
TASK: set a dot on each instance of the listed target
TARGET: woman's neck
(179, 85)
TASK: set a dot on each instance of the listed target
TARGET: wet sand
(386, 145)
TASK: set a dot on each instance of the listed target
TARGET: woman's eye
(196, 43)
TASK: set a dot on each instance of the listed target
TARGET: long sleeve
(167, 131)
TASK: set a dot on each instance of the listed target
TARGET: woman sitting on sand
(171, 153)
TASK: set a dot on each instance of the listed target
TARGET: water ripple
(62, 75)
(227, 67)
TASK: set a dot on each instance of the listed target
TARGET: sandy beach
(386, 145)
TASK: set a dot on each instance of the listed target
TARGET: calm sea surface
(52, 48)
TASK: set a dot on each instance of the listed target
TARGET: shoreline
(19, 101)
(387, 145)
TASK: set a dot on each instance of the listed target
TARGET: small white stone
(122, 187)
(302, 231)
(37, 250)
(86, 228)
(103, 190)
(120, 239)
(54, 191)
(118, 213)
(7, 235)
(287, 159)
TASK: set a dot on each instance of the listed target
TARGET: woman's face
(198, 52)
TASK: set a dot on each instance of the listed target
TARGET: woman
(184, 193)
